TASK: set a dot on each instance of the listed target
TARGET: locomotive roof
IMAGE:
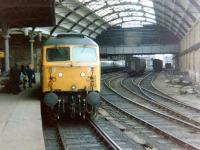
(70, 39)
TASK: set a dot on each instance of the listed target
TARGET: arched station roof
(92, 17)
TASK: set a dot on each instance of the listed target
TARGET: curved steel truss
(91, 17)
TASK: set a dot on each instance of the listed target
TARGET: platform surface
(169, 89)
(20, 121)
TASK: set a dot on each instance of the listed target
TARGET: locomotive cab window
(84, 54)
(58, 54)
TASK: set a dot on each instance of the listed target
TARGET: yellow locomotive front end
(67, 75)
(71, 75)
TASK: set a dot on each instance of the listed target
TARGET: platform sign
(1, 54)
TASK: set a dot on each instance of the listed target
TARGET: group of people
(19, 76)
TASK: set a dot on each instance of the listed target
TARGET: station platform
(20, 121)
(174, 91)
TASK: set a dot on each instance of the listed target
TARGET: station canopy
(26, 13)
(92, 17)
(125, 13)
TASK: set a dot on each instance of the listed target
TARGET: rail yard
(134, 114)
(99, 74)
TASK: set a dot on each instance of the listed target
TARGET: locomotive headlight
(60, 74)
(73, 87)
(82, 74)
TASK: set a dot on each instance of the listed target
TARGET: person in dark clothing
(30, 74)
(15, 79)
(23, 76)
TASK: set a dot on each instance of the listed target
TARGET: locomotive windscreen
(58, 54)
(84, 54)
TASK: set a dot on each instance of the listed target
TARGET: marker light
(60, 74)
(73, 87)
(82, 74)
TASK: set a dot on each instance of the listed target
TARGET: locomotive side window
(58, 54)
(82, 54)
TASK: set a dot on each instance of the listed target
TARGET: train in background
(112, 65)
(157, 65)
(136, 66)
(70, 77)
(168, 66)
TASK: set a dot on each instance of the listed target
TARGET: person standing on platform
(30, 74)
(23, 76)
(15, 79)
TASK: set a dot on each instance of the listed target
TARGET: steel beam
(143, 49)
(195, 4)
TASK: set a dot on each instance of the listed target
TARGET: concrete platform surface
(20, 121)
(173, 91)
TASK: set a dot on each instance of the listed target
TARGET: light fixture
(73, 87)
(82, 74)
(60, 74)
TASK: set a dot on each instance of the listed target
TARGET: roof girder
(157, 9)
(175, 13)
(65, 17)
(172, 22)
(195, 4)
(69, 29)
(174, 26)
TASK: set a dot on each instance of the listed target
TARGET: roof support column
(6, 37)
(31, 50)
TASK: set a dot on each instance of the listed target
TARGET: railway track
(166, 125)
(84, 135)
(89, 134)
(130, 85)
(154, 94)
(105, 76)
(51, 137)
(137, 131)
(77, 135)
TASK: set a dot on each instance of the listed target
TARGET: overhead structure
(92, 17)
(147, 35)
(23, 13)
(26, 13)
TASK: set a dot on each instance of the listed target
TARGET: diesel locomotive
(70, 76)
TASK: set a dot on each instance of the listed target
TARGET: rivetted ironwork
(180, 16)
(94, 17)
